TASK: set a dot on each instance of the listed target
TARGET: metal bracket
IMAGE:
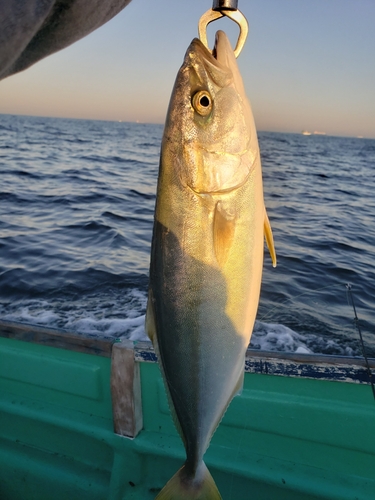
(218, 11)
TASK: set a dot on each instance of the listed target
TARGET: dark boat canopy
(33, 29)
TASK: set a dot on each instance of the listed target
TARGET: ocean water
(76, 213)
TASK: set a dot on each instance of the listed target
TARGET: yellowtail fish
(207, 252)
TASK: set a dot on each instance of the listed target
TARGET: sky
(306, 65)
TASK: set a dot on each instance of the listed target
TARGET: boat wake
(107, 317)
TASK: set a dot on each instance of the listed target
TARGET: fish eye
(202, 102)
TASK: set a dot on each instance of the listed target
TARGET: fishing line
(284, 302)
(356, 322)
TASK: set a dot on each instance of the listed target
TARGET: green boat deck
(304, 434)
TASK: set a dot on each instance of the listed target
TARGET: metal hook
(235, 15)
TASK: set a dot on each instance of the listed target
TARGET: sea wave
(76, 213)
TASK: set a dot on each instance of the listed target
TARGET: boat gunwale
(56, 338)
(321, 366)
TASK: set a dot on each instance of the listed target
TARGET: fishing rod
(356, 321)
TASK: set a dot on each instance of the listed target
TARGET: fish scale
(207, 252)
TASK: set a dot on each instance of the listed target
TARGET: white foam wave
(26, 314)
(113, 318)
(276, 337)
(132, 328)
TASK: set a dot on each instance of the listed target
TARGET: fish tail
(183, 486)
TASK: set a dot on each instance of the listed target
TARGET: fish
(206, 253)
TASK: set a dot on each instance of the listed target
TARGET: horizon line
(137, 122)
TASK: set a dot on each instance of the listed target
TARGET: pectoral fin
(269, 238)
(223, 232)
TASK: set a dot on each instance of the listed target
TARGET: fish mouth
(201, 50)
(214, 63)
(221, 48)
(217, 56)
